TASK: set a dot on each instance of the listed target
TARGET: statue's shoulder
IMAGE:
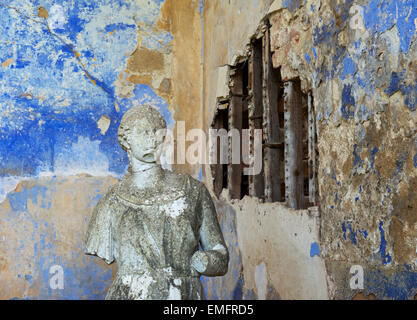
(186, 181)
(109, 197)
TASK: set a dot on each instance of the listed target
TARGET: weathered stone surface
(359, 61)
(357, 57)
(153, 222)
(64, 92)
(42, 225)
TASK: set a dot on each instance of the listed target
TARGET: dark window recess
(219, 168)
(255, 115)
(273, 137)
(259, 99)
(245, 144)
(238, 96)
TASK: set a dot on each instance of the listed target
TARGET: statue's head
(141, 133)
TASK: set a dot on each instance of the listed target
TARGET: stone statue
(153, 221)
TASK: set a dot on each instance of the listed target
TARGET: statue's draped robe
(153, 233)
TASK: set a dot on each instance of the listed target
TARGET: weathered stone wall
(274, 252)
(43, 224)
(69, 71)
(272, 248)
(359, 60)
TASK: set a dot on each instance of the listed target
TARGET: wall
(273, 249)
(359, 60)
(69, 71)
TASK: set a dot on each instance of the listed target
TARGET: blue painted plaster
(357, 161)
(380, 15)
(49, 99)
(307, 57)
(292, 5)
(58, 83)
(400, 285)
(386, 258)
(349, 67)
(348, 232)
(348, 102)
(314, 53)
(373, 153)
(314, 249)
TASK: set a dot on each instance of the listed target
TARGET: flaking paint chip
(42, 12)
(7, 63)
(103, 124)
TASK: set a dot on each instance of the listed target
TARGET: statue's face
(145, 142)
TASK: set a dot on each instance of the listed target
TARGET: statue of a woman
(153, 221)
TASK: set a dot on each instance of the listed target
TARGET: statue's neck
(144, 174)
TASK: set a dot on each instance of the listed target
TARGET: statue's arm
(214, 260)
(98, 240)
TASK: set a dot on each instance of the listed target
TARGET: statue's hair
(144, 116)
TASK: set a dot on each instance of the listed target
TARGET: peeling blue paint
(364, 233)
(373, 153)
(307, 57)
(349, 67)
(323, 34)
(399, 164)
(292, 5)
(118, 27)
(348, 102)
(238, 290)
(347, 228)
(19, 200)
(314, 249)
(315, 53)
(380, 16)
(56, 87)
(386, 258)
(34, 139)
(395, 83)
(201, 7)
(357, 161)
(401, 285)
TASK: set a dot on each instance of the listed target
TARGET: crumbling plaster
(358, 58)
(43, 224)
(70, 70)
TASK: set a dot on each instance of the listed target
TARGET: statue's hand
(200, 261)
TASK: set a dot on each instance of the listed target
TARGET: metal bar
(234, 173)
(294, 181)
(311, 150)
(272, 163)
(217, 167)
(256, 182)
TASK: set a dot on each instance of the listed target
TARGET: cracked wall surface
(359, 60)
(42, 225)
(69, 71)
